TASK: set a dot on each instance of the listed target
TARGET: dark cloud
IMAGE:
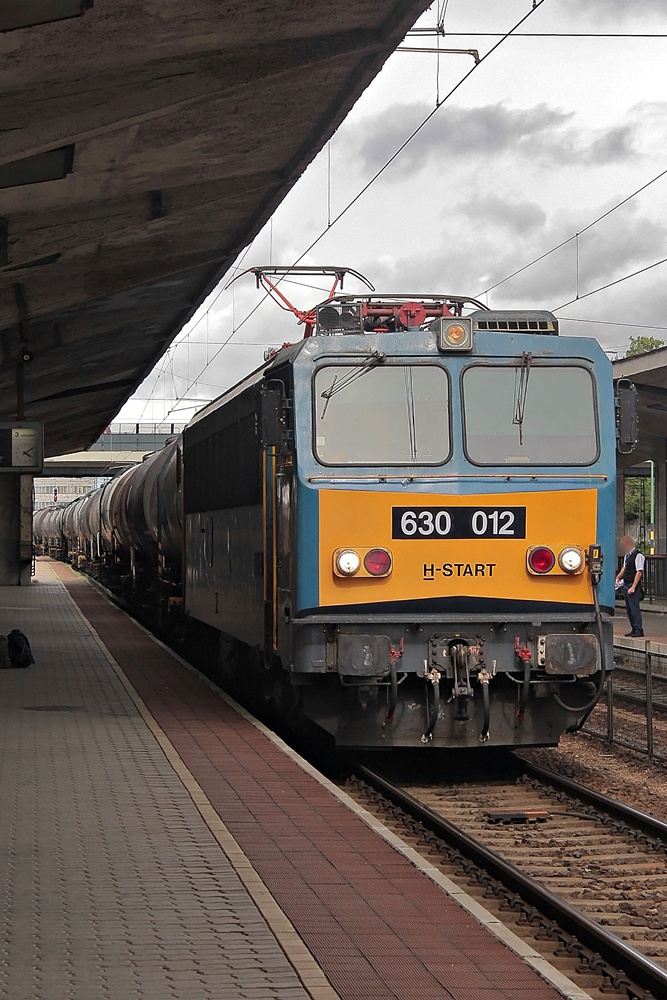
(453, 133)
(613, 146)
(516, 216)
(542, 134)
(601, 148)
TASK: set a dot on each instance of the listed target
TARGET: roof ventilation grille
(511, 321)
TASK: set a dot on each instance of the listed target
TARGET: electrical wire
(602, 288)
(613, 322)
(441, 15)
(209, 385)
(236, 266)
(424, 32)
(575, 236)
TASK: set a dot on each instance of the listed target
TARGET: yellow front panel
(447, 567)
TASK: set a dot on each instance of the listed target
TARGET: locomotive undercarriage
(150, 586)
(431, 684)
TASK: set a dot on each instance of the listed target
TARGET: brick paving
(112, 884)
(379, 928)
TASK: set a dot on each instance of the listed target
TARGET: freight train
(400, 528)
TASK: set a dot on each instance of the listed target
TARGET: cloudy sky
(546, 136)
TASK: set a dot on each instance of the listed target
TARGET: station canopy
(143, 144)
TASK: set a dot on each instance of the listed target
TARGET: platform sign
(21, 446)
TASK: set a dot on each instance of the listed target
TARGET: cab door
(278, 465)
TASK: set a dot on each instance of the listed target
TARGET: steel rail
(619, 810)
(640, 969)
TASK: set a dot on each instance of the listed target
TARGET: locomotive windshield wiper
(521, 391)
(374, 359)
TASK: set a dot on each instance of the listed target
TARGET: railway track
(589, 870)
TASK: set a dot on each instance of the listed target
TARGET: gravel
(625, 775)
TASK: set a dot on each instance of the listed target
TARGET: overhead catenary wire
(562, 34)
(610, 284)
(235, 267)
(328, 188)
(428, 32)
(575, 236)
(441, 15)
(614, 322)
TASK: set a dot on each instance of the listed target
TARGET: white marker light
(348, 562)
(570, 560)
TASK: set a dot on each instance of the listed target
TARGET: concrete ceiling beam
(72, 108)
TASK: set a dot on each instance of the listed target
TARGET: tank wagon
(128, 533)
(404, 524)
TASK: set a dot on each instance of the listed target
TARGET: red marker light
(377, 562)
(541, 559)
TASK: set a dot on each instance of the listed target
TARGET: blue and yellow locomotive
(404, 518)
(412, 531)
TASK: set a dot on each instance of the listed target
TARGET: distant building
(57, 489)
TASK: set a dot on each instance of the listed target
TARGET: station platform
(655, 629)
(157, 843)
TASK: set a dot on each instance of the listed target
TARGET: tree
(635, 500)
(637, 503)
(640, 345)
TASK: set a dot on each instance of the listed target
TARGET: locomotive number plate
(458, 522)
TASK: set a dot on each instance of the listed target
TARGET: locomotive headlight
(571, 559)
(455, 334)
(348, 562)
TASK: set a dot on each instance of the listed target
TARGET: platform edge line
(544, 969)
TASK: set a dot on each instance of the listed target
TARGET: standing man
(629, 580)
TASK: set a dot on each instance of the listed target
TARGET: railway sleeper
(587, 962)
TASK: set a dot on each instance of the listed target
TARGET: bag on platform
(18, 647)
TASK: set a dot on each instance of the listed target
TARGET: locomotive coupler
(432, 678)
(462, 689)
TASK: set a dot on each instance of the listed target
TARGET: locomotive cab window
(381, 415)
(530, 414)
